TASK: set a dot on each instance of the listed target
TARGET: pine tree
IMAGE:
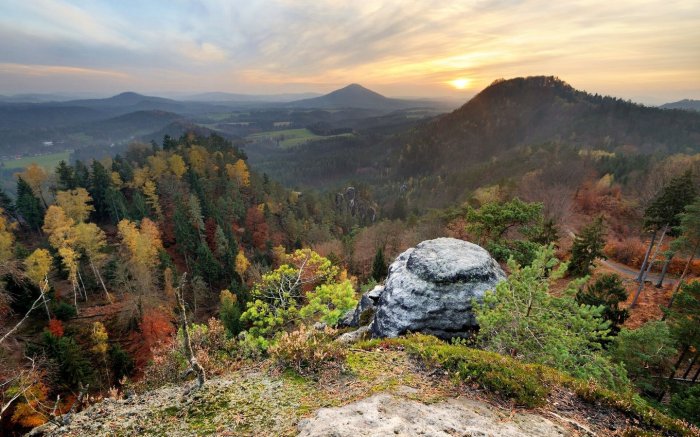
(379, 267)
(607, 291)
(66, 177)
(663, 213)
(689, 241)
(100, 181)
(588, 246)
(28, 205)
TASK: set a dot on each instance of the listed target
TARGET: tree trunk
(646, 256)
(649, 262)
(697, 373)
(83, 284)
(673, 372)
(692, 363)
(680, 280)
(660, 283)
(99, 277)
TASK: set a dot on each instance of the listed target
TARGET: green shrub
(686, 404)
(523, 320)
(122, 363)
(645, 352)
(63, 311)
(230, 313)
(328, 302)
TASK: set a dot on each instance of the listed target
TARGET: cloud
(416, 46)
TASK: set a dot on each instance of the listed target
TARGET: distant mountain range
(685, 104)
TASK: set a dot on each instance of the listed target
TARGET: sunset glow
(460, 83)
(647, 51)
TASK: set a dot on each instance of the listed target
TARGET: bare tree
(195, 367)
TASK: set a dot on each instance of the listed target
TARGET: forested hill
(538, 110)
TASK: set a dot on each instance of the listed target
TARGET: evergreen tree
(607, 291)
(689, 241)
(81, 174)
(28, 205)
(588, 246)
(65, 177)
(379, 267)
(100, 182)
(663, 213)
(6, 203)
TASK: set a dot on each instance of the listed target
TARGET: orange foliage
(56, 328)
(156, 328)
(628, 251)
(256, 225)
(25, 413)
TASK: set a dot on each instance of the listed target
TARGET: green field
(291, 137)
(49, 161)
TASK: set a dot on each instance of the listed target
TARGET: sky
(647, 51)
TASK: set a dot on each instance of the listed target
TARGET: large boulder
(430, 289)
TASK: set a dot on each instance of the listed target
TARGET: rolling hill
(354, 96)
(685, 104)
(542, 110)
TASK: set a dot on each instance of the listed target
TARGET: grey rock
(364, 312)
(430, 289)
(354, 336)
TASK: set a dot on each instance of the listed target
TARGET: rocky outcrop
(430, 289)
(384, 414)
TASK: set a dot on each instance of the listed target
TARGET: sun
(460, 83)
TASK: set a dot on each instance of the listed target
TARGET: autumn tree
(141, 247)
(90, 240)
(7, 238)
(37, 266)
(239, 172)
(35, 176)
(75, 203)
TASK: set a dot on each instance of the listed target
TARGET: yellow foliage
(37, 266)
(75, 203)
(158, 165)
(116, 179)
(177, 165)
(142, 245)
(70, 262)
(149, 189)
(90, 239)
(242, 263)
(141, 175)
(99, 338)
(239, 172)
(7, 239)
(58, 226)
(35, 176)
(198, 157)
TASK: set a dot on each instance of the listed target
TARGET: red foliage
(56, 328)
(156, 328)
(256, 225)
